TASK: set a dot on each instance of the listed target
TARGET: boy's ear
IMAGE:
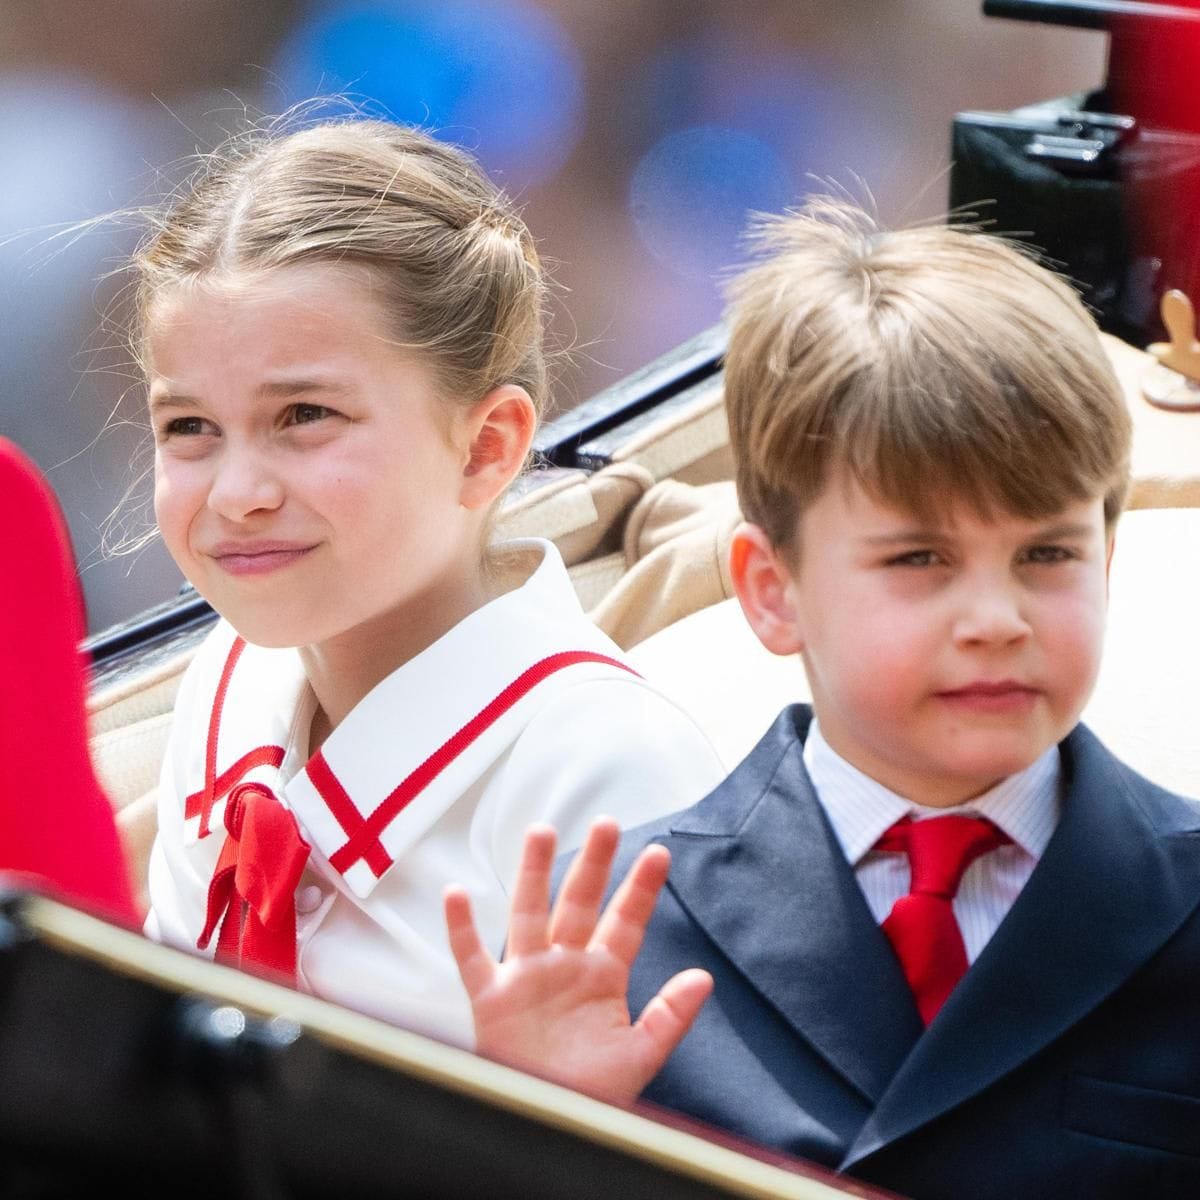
(765, 590)
(499, 433)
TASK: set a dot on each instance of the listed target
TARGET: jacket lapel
(763, 834)
(1119, 877)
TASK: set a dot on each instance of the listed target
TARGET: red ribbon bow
(253, 889)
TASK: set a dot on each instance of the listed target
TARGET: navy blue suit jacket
(1067, 1061)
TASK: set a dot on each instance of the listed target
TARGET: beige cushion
(675, 555)
(1145, 704)
(1144, 707)
(1166, 445)
(129, 721)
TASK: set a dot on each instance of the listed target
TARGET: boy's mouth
(992, 695)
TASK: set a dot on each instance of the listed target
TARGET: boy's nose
(990, 616)
(244, 483)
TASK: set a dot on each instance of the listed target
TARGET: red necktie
(921, 926)
(253, 889)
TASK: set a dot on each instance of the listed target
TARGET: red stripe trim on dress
(363, 834)
(338, 801)
(201, 803)
(260, 756)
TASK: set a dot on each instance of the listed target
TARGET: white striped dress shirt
(1025, 806)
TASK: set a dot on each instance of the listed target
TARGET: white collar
(1025, 805)
(427, 731)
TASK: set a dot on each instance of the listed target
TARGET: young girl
(341, 332)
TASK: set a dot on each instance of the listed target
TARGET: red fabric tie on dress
(921, 926)
(253, 889)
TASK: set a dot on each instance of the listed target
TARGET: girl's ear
(765, 589)
(499, 433)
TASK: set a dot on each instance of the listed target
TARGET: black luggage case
(1105, 183)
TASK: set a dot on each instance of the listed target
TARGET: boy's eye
(915, 558)
(1049, 554)
(308, 414)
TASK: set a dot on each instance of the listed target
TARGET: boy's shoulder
(773, 768)
(1091, 767)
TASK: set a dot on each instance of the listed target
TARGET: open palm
(556, 1005)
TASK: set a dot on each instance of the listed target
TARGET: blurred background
(635, 134)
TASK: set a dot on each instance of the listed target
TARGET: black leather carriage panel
(1123, 1112)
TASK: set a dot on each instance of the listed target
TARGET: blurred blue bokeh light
(738, 129)
(690, 195)
(501, 78)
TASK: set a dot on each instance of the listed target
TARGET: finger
(528, 913)
(578, 905)
(667, 1017)
(624, 922)
(476, 966)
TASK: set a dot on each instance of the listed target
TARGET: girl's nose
(244, 483)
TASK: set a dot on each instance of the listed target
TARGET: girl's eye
(1049, 554)
(184, 427)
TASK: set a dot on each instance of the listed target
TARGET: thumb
(669, 1016)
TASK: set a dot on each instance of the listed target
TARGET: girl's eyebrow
(286, 388)
(160, 399)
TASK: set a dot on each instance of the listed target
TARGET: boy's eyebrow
(1064, 529)
(907, 535)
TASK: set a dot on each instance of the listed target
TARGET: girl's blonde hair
(930, 364)
(452, 264)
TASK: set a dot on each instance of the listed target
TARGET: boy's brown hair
(929, 363)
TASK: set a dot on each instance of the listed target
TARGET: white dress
(522, 712)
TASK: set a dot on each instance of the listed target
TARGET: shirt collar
(466, 697)
(1025, 805)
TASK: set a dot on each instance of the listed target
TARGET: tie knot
(940, 849)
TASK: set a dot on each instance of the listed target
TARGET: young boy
(955, 943)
